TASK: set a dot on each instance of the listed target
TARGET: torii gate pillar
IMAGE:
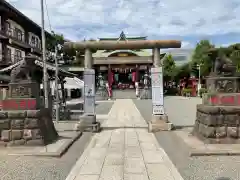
(159, 121)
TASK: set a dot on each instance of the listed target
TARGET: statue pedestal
(217, 119)
(159, 123)
(23, 121)
(217, 124)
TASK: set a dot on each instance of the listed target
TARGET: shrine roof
(123, 37)
(128, 38)
(104, 53)
(39, 63)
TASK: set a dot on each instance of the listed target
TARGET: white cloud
(101, 18)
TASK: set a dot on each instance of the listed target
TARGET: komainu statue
(223, 65)
(23, 70)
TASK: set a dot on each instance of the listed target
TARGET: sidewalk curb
(61, 151)
(77, 166)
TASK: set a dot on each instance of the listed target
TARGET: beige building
(18, 35)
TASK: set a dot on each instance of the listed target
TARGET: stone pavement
(124, 150)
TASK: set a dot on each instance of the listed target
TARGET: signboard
(20, 91)
(89, 91)
(157, 91)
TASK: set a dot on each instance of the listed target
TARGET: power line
(49, 22)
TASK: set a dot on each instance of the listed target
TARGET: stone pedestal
(159, 123)
(217, 124)
(23, 121)
(87, 122)
(217, 119)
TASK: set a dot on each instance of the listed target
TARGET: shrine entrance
(122, 78)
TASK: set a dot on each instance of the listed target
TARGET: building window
(8, 29)
(19, 34)
(33, 41)
(37, 43)
(18, 55)
(9, 54)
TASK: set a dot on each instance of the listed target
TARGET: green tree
(169, 67)
(182, 71)
(234, 54)
(51, 42)
(201, 57)
(54, 40)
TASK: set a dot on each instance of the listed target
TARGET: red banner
(18, 104)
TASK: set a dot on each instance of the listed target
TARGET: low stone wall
(217, 124)
(26, 127)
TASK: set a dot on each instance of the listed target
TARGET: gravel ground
(46, 168)
(181, 111)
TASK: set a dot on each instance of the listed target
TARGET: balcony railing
(36, 45)
(16, 34)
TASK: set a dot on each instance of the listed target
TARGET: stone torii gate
(159, 120)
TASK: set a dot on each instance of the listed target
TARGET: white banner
(157, 91)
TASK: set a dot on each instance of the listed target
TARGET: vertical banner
(89, 91)
(157, 91)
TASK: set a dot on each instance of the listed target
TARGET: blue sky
(186, 20)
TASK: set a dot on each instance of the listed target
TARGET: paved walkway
(129, 153)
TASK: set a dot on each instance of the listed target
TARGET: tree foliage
(201, 57)
(57, 40)
(234, 54)
(182, 71)
(54, 40)
(204, 54)
(169, 66)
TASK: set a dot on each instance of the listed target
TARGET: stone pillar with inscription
(217, 118)
(159, 121)
(23, 119)
(88, 120)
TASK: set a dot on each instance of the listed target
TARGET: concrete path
(181, 111)
(124, 150)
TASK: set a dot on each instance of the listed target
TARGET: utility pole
(45, 77)
(56, 85)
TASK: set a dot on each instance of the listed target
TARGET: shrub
(202, 91)
(187, 92)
